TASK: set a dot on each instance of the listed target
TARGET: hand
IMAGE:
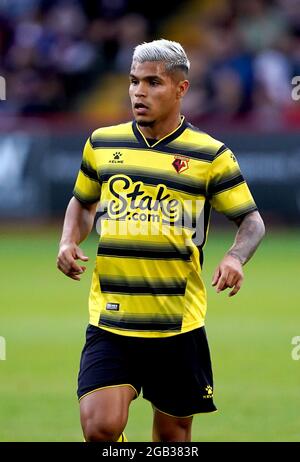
(66, 263)
(229, 273)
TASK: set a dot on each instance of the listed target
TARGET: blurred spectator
(132, 30)
(17, 8)
(251, 51)
(272, 71)
(243, 53)
(260, 22)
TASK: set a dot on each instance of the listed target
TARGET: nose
(140, 90)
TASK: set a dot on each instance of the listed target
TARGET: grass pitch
(44, 316)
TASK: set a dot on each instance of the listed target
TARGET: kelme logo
(117, 158)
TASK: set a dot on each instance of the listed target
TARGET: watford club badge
(180, 164)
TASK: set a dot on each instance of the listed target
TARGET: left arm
(229, 273)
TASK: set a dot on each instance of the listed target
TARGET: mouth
(141, 108)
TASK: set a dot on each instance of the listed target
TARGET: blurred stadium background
(65, 64)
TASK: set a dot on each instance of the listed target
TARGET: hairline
(170, 69)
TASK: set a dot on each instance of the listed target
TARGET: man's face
(154, 93)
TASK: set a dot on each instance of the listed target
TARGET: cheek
(164, 97)
(131, 91)
(167, 100)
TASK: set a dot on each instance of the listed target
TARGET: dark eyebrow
(148, 77)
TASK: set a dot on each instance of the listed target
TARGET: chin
(144, 122)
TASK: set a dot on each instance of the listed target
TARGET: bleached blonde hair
(169, 52)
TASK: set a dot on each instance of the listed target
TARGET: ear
(182, 88)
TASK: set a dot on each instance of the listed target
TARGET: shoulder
(120, 131)
(203, 141)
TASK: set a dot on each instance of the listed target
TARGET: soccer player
(154, 180)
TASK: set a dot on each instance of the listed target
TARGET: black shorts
(174, 372)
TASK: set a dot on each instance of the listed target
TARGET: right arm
(78, 223)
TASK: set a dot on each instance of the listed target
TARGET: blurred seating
(67, 56)
(243, 57)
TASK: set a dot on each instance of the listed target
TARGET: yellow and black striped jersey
(154, 208)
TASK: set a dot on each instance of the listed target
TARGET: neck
(160, 129)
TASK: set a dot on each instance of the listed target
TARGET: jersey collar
(165, 140)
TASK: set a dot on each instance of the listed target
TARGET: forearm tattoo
(247, 239)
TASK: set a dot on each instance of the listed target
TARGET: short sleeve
(87, 187)
(227, 189)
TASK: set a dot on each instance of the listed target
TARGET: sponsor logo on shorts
(209, 392)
